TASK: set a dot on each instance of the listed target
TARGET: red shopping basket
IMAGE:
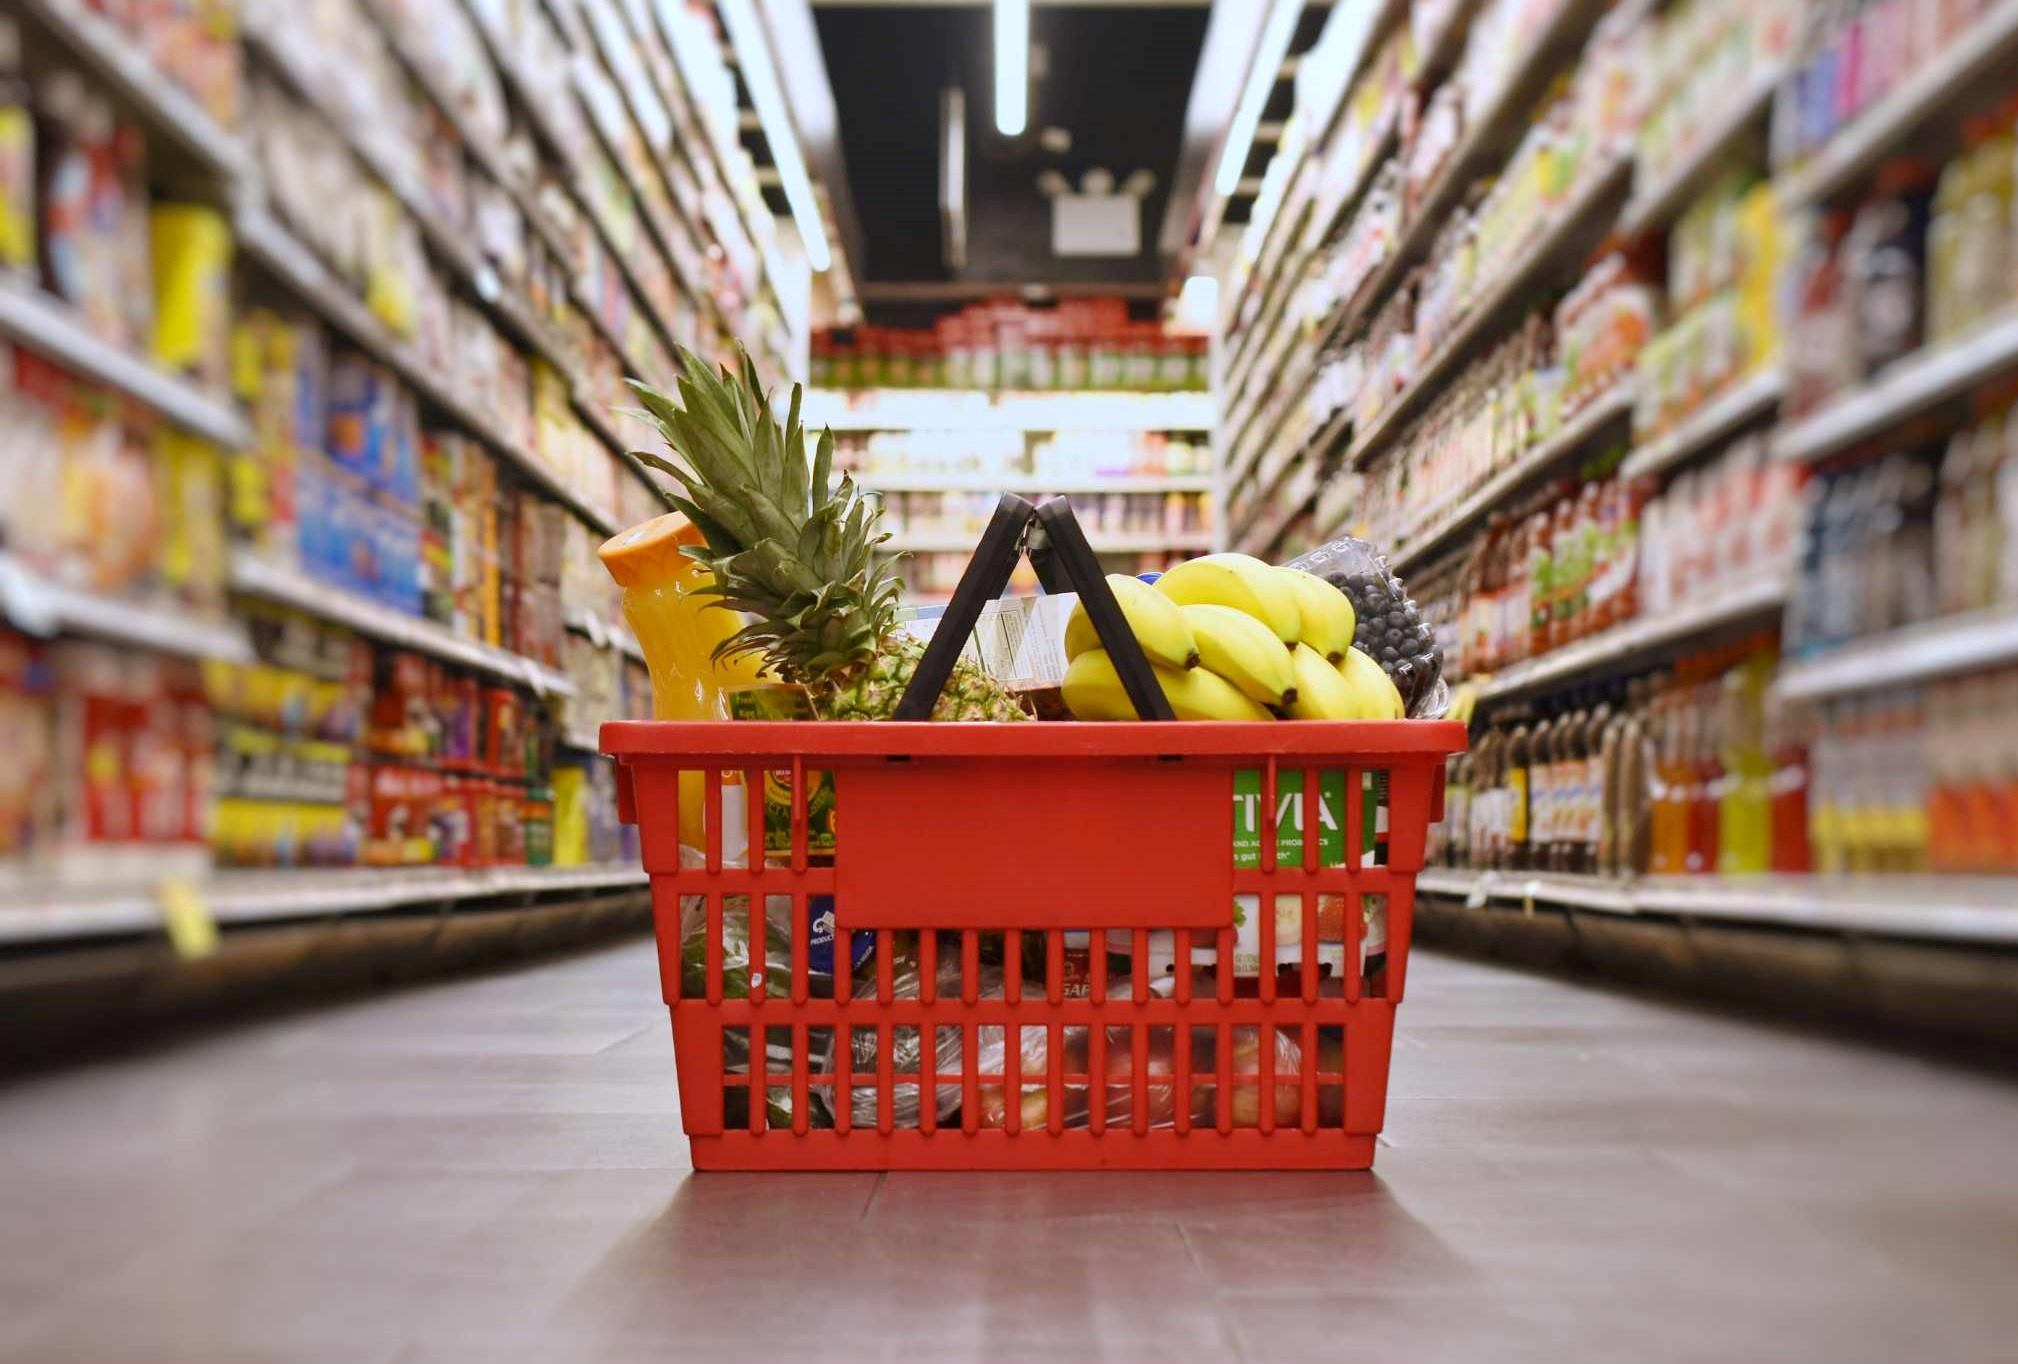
(1041, 946)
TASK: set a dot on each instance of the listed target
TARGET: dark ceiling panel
(1117, 80)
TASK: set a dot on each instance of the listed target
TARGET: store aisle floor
(491, 1170)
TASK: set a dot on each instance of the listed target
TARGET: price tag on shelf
(192, 929)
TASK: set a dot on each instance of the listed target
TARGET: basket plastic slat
(760, 1068)
(1307, 1107)
(1054, 965)
(799, 816)
(1182, 943)
(928, 1073)
(802, 1062)
(970, 966)
(1309, 898)
(802, 946)
(1012, 1079)
(1223, 1092)
(886, 1084)
(1096, 1070)
(712, 818)
(1096, 947)
(886, 968)
(1139, 1037)
(1012, 966)
(1180, 1063)
(760, 922)
(1054, 1070)
(844, 1073)
(970, 1085)
(1141, 960)
(1264, 1094)
(714, 947)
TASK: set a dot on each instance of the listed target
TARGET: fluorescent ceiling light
(753, 55)
(1012, 66)
(1261, 78)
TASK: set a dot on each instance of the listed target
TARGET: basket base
(951, 1149)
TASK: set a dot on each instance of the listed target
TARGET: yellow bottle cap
(649, 552)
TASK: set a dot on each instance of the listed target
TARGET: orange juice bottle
(678, 626)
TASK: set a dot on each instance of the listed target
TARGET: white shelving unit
(1749, 400)
(1659, 199)
(1917, 653)
(1903, 389)
(255, 577)
(55, 912)
(1980, 910)
(45, 324)
(1614, 648)
(44, 608)
(1856, 150)
(1598, 416)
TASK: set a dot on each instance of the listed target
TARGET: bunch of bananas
(1232, 638)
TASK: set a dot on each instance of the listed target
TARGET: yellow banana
(1328, 619)
(1160, 628)
(1093, 691)
(1373, 690)
(1243, 651)
(1322, 693)
(1241, 582)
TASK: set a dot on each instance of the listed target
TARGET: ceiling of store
(1116, 79)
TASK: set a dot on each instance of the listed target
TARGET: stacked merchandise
(294, 496)
(1079, 345)
(1012, 460)
(1723, 540)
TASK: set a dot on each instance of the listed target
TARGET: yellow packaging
(192, 291)
(1759, 246)
(17, 188)
(571, 817)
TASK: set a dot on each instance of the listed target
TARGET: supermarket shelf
(1890, 124)
(1944, 908)
(1563, 237)
(1485, 136)
(1902, 389)
(1598, 416)
(1113, 543)
(1291, 503)
(40, 607)
(934, 409)
(262, 236)
(48, 326)
(57, 911)
(1738, 406)
(1930, 649)
(1029, 483)
(605, 634)
(1659, 200)
(448, 242)
(1636, 639)
(118, 61)
(256, 577)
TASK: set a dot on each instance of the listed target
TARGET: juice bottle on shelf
(1953, 515)
(1564, 569)
(1997, 715)
(1992, 501)
(1821, 341)
(1786, 739)
(1706, 779)
(678, 628)
(1516, 782)
(1541, 793)
(1570, 755)
(1886, 265)
(1951, 777)
(1591, 788)
(1744, 817)
(1538, 540)
(1667, 783)
(17, 157)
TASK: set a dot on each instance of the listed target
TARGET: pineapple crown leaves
(781, 542)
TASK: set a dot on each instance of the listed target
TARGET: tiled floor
(491, 1170)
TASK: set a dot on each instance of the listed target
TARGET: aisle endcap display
(927, 409)
(33, 318)
(52, 914)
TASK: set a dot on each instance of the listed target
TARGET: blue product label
(820, 944)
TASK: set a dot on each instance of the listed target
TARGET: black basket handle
(1059, 551)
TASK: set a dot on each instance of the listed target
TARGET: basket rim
(1346, 742)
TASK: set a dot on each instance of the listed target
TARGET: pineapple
(801, 558)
